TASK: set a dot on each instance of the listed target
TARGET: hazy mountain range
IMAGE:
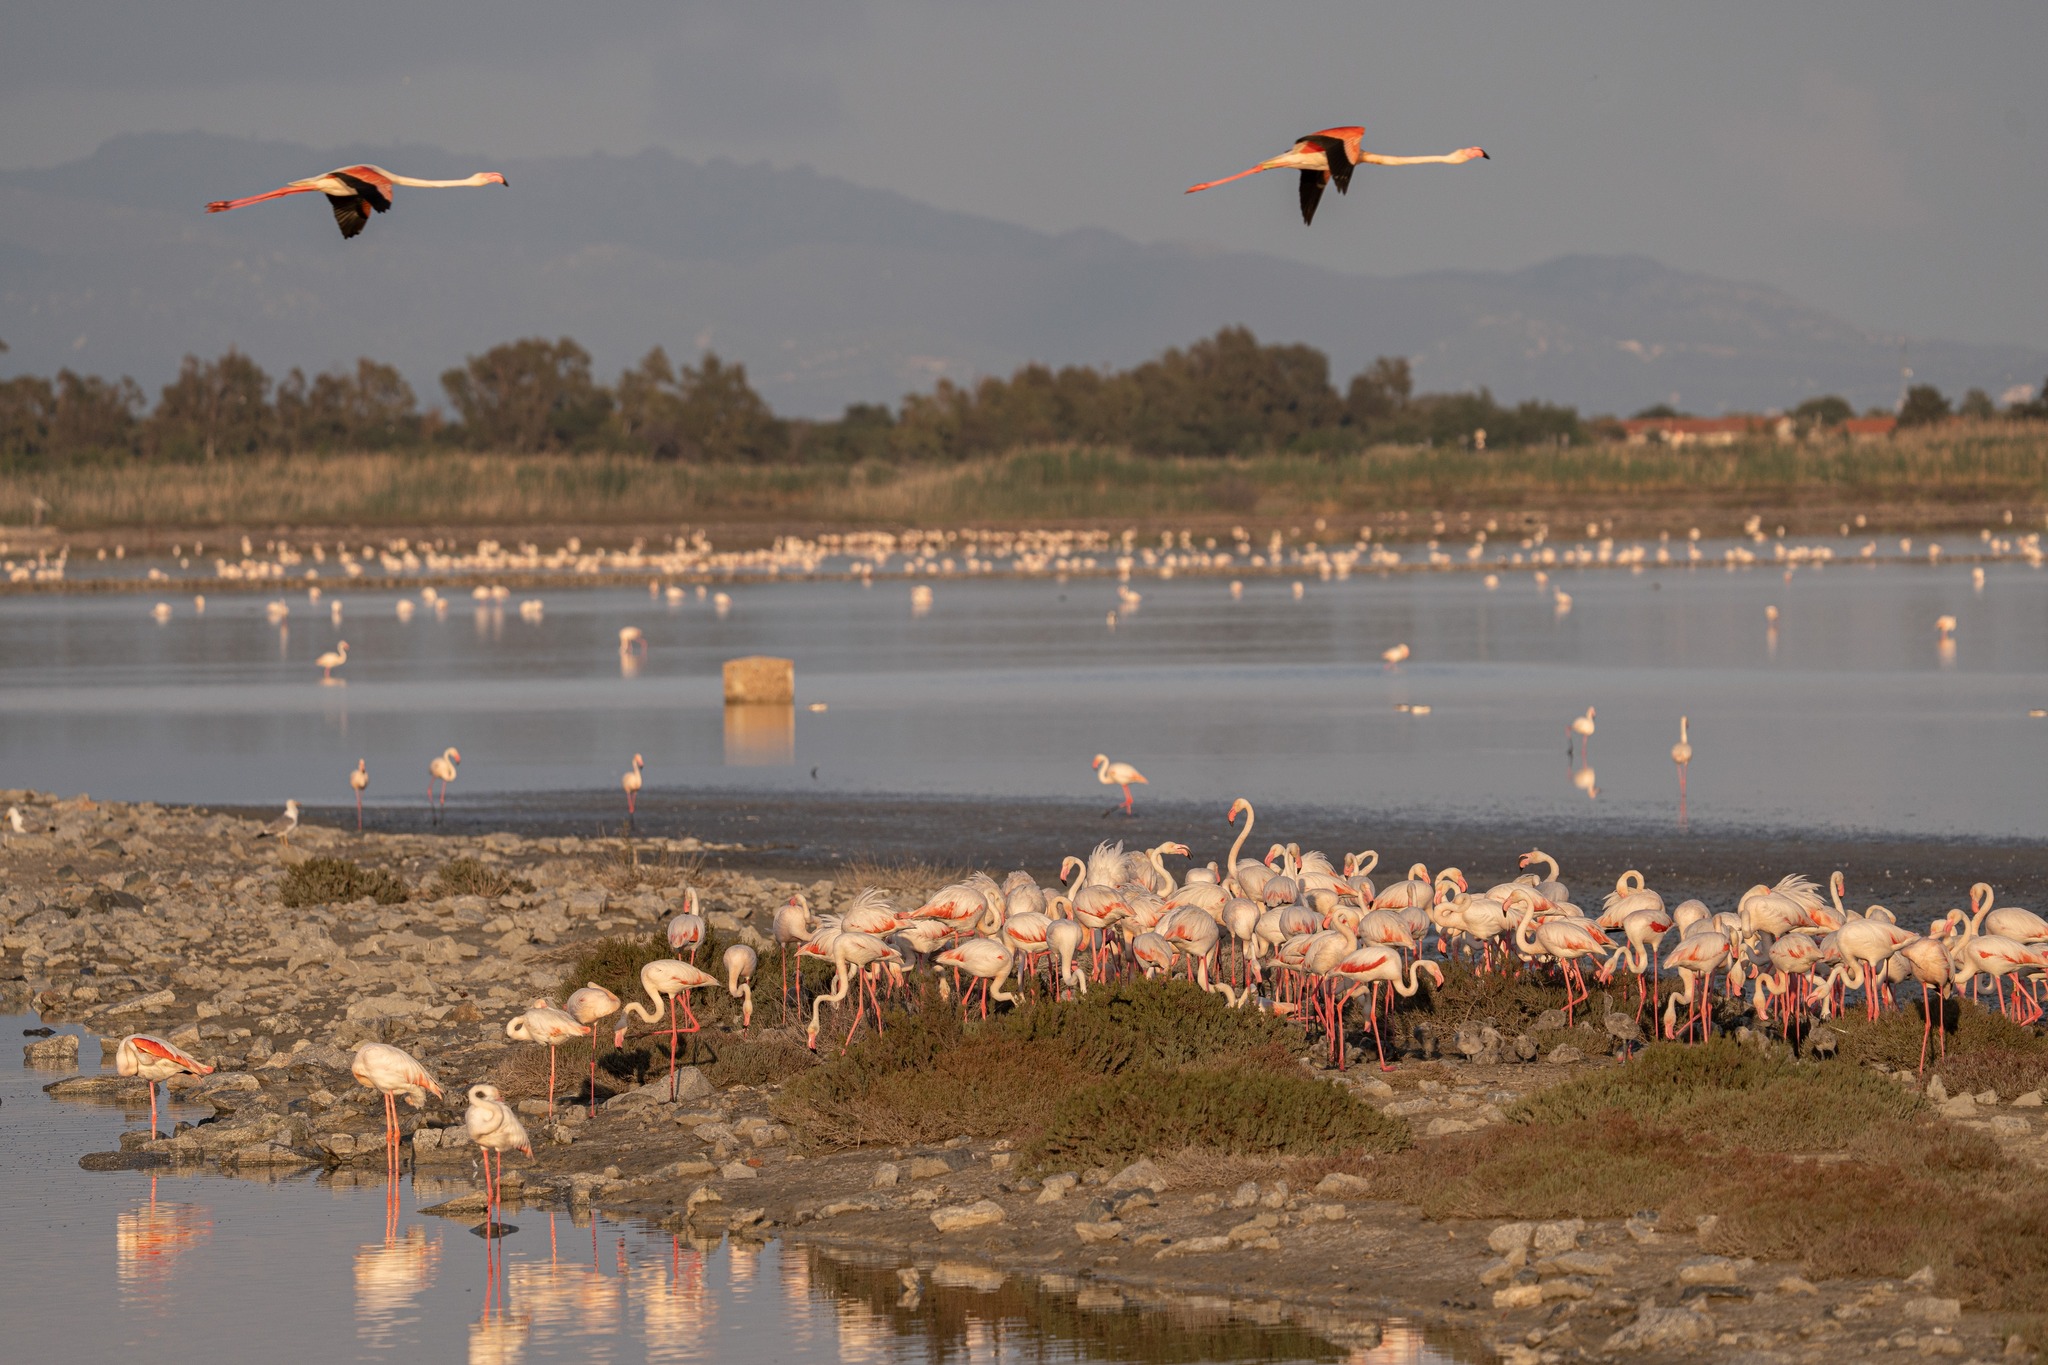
(831, 293)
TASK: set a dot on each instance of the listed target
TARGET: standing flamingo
(355, 192)
(1370, 968)
(545, 1024)
(686, 930)
(987, 961)
(1581, 730)
(740, 961)
(1111, 774)
(665, 978)
(586, 1005)
(443, 770)
(494, 1128)
(153, 1059)
(1329, 157)
(853, 954)
(632, 782)
(331, 660)
(792, 927)
(1681, 754)
(1564, 941)
(394, 1072)
(357, 781)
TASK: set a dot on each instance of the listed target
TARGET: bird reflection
(149, 1239)
(390, 1277)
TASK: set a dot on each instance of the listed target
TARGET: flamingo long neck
(641, 1012)
(1376, 159)
(1550, 863)
(1230, 863)
(1977, 919)
(1413, 984)
(1159, 866)
(1080, 876)
(1681, 732)
(1835, 894)
(480, 178)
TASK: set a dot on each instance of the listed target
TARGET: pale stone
(1933, 1310)
(51, 1053)
(925, 1167)
(1662, 1329)
(1057, 1186)
(961, 1217)
(1562, 1235)
(1193, 1246)
(886, 1176)
(1961, 1107)
(2009, 1125)
(738, 1170)
(1518, 1296)
(1510, 1237)
(1794, 1284)
(1716, 1270)
(1143, 1173)
(1339, 1185)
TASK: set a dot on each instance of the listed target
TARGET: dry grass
(1729, 1131)
(2002, 461)
(905, 879)
(1986, 1051)
(625, 870)
(468, 877)
(329, 881)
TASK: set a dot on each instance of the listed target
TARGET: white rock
(960, 1217)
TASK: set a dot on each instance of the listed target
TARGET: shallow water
(99, 1265)
(1847, 715)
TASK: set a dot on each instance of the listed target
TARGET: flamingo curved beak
(619, 1038)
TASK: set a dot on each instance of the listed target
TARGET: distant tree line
(1227, 394)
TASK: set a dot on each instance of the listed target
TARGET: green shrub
(1987, 1051)
(1239, 1110)
(328, 881)
(1151, 1024)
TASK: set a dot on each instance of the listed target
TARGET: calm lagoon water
(195, 1266)
(1848, 715)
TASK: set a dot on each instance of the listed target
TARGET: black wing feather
(1311, 193)
(366, 190)
(1337, 155)
(349, 213)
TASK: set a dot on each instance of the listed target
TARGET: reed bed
(2004, 463)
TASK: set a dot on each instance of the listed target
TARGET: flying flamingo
(354, 192)
(665, 978)
(1330, 156)
(331, 660)
(1118, 775)
(545, 1024)
(632, 782)
(493, 1126)
(394, 1072)
(443, 769)
(586, 1005)
(358, 780)
(153, 1059)
(1681, 754)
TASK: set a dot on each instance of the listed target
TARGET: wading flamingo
(1118, 775)
(153, 1059)
(394, 1072)
(631, 782)
(550, 1027)
(493, 1127)
(442, 770)
(331, 660)
(1580, 730)
(355, 192)
(1330, 156)
(665, 978)
(587, 1005)
(1681, 754)
(357, 781)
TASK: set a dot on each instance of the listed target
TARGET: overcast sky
(1879, 158)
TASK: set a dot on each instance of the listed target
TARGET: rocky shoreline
(124, 918)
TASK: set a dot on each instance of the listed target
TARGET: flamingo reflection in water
(390, 1277)
(150, 1238)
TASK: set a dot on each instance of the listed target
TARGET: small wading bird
(393, 1071)
(281, 828)
(358, 780)
(155, 1060)
(1330, 156)
(332, 659)
(1118, 775)
(354, 192)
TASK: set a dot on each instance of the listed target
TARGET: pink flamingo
(494, 1128)
(665, 978)
(1370, 968)
(740, 960)
(792, 927)
(1696, 959)
(1564, 941)
(856, 957)
(394, 1072)
(631, 784)
(1328, 157)
(545, 1024)
(1111, 774)
(587, 1005)
(986, 960)
(442, 770)
(153, 1059)
(355, 192)
(686, 930)
(357, 780)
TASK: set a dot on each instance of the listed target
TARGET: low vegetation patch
(1163, 1056)
(1829, 1164)
(468, 877)
(327, 881)
(1986, 1050)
